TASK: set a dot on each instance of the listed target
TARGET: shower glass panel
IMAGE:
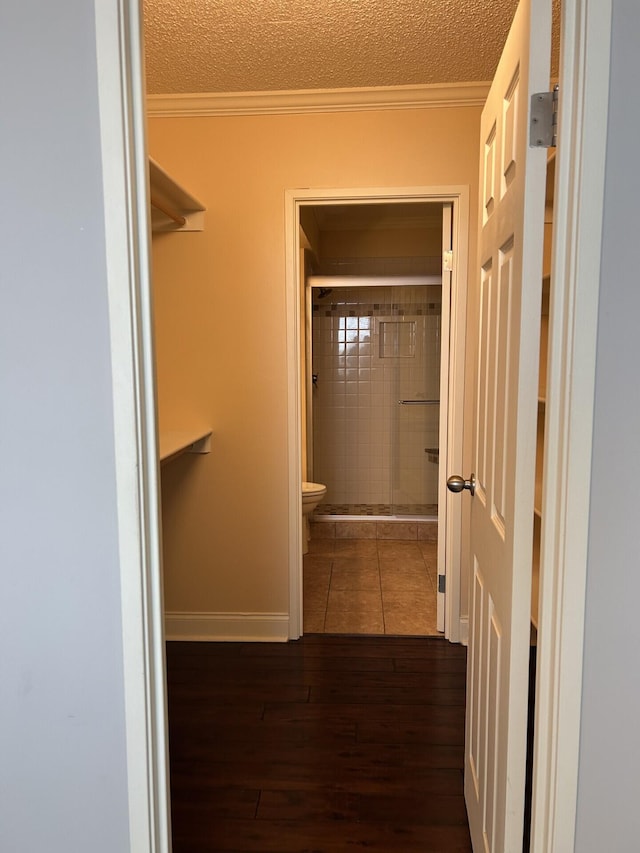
(376, 358)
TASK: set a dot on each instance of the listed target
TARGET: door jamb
(575, 272)
(294, 199)
(127, 254)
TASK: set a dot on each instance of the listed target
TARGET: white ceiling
(270, 45)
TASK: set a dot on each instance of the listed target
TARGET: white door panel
(511, 215)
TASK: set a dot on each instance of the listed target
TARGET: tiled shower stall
(375, 398)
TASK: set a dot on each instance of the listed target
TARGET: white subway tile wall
(373, 347)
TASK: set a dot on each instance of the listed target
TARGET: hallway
(325, 744)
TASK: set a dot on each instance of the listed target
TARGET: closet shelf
(535, 574)
(172, 207)
(175, 443)
(535, 596)
(537, 496)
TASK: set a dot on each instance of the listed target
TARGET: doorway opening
(366, 285)
(372, 358)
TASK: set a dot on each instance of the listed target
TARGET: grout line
(384, 620)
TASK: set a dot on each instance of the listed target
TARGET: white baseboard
(464, 630)
(229, 627)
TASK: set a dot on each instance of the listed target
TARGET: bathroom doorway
(380, 318)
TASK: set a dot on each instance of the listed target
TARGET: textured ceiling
(265, 45)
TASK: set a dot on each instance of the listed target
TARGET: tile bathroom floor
(370, 586)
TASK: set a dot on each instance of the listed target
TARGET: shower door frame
(449, 514)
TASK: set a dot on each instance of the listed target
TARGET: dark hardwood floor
(330, 743)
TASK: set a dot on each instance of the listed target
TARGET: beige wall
(390, 243)
(221, 323)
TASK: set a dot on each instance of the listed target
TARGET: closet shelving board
(175, 209)
(176, 442)
(172, 207)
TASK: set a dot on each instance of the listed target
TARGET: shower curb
(359, 527)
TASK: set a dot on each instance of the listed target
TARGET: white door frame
(127, 243)
(458, 196)
(575, 276)
(572, 346)
(449, 544)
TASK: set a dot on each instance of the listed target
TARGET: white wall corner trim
(227, 627)
(437, 95)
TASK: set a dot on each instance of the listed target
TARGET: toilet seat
(313, 489)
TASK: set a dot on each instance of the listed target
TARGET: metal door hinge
(447, 261)
(442, 582)
(543, 122)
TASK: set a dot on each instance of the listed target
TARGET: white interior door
(512, 184)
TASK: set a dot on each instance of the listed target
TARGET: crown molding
(436, 95)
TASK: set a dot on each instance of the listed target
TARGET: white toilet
(312, 494)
